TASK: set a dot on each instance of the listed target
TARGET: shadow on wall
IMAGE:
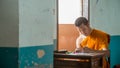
(115, 50)
(8, 57)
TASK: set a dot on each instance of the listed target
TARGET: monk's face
(84, 29)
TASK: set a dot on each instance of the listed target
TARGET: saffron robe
(97, 40)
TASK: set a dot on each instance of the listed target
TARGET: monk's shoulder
(99, 33)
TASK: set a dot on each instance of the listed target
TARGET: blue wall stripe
(115, 50)
(8, 57)
(28, 56)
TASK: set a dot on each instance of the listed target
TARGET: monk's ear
(88, 24)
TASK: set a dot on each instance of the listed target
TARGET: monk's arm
(88, 50)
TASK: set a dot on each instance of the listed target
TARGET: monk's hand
(77, 50)
(88, 50)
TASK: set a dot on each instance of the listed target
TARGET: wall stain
(40, 53)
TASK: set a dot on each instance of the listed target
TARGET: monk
(91, 40)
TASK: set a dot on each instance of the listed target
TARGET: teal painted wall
(115, 50)
(8, 57)
(104, 15)
(36, 56)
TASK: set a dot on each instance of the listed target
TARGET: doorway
(68, 11)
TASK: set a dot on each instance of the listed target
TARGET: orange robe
(97, 40)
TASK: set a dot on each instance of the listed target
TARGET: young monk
(91, 40)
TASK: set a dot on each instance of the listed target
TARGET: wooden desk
(80, 60)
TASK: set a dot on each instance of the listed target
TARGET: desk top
(91, 55)
(86, 54)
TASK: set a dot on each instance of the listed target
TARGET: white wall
(105, 15)
(36, 22)
(27, 22)
(68, 11)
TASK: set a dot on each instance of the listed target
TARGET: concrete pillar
(26, 34)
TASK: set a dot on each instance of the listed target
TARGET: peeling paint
(36, 57)
(40, 66)
(40, 53)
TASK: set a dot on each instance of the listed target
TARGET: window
(69, 10)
